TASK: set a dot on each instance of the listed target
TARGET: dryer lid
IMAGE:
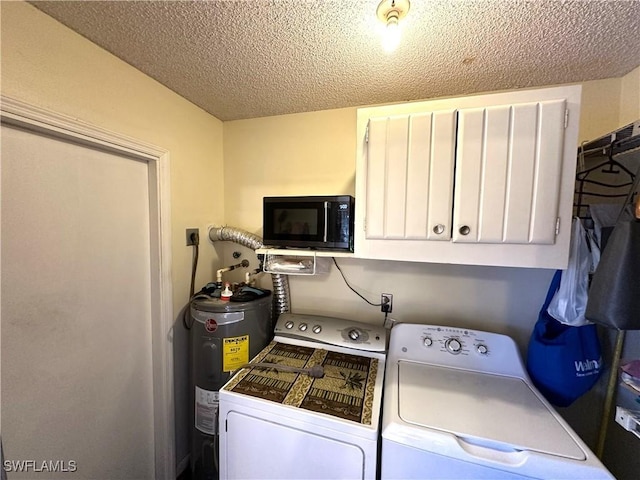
(491, 410)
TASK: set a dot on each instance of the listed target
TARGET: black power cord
(353, 289)
(195, 239)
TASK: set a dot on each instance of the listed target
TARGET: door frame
(23, 115)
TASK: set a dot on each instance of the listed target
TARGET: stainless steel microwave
(315, 222)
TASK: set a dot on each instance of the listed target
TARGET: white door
(77, 373)
(508, 164)
(410, 169)
(508, 171)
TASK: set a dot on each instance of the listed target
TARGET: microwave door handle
(326, 220)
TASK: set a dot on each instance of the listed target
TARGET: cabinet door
(409, 180)
(508, 171)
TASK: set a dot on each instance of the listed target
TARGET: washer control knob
(316, 328)
(428, 341)
(453, 345)
(302, 327)
(482, 349)
(354, 334)
(288, 325)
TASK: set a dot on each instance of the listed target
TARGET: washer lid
(491, 410)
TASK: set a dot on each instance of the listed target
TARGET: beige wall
(600, 109)
(286, 155)
(630, 97)
(48, 65)
(314, 153)
(609, 104)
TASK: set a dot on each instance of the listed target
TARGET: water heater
(224, 336)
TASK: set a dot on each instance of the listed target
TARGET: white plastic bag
(570, 301)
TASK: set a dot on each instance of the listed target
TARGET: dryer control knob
(302, 327)
(453, 345)
(316, 328)
(354, 334)
(428, 341)
(482, 349)
(288, 325)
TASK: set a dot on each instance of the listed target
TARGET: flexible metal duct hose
(280, 292)
(249, 240)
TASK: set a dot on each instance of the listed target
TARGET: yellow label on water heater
(235, 353)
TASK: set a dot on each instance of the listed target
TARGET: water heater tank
(224, 336)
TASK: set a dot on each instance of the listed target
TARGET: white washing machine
(281, 424)
(458, 404)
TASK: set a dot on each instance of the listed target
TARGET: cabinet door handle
(438, 229)
(464, 230)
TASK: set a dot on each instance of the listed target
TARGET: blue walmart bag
(564, 362)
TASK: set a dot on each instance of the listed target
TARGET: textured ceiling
(253, 58)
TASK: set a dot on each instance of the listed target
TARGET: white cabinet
(409, 176)
(482, 180)
(508, 169)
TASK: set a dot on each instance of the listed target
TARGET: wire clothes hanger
(607, 189)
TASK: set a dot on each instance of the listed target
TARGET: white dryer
(458, 403)
(278, 422)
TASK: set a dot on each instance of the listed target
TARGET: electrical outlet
(193, 236)
(386, 300)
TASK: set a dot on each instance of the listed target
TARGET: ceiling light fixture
(390, 12)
